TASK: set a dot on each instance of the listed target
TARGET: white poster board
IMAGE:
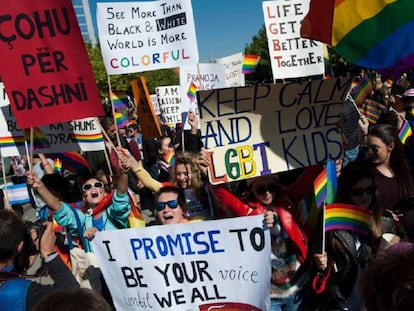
(264, 129)
(205, 77)
(169, 102)
(146, 35)
(291, 56)
(188, 267)
(232, 68)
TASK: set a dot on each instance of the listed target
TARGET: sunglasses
(374, 148)
(98, 184)
(262, 189)
(359, 192)
(159, 206)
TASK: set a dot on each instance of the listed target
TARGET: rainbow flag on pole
(320, 186)
(339, 216)
(364, 32)
(250, 63)
(361, 90)
(39, 139)
(192, 90)
(119, 99)
(405, 131)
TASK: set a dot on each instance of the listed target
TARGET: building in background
(84, 16)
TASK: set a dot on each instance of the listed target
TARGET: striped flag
(339, 216)
(17, 194)
(192, 90)
(361, 90)
(39, 139)
(119, 99)
(405, 131)
(250, 63)
(332, 182)
(320, 187)
(372, 110)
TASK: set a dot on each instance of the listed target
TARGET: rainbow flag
(372, 110)
(71, 161)
(332, 182)
(339, 216)
(119, 99)
(121, 119)
(39, 139)
(250, 63)
(87, 138)
(169, 157)
(405, 131)
(192, 89)
(361, 90)
(9, 141)
(364, 32)
(57, 166)
(320, 187)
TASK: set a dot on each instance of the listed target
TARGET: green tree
(153, 78)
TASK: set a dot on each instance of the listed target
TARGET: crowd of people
(350, 271)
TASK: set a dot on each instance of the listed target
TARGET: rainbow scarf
(405, 131)
(192, 89)
(339, 216)
(364, 32)
(250, 63)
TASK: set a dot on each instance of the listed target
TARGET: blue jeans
(290, 303)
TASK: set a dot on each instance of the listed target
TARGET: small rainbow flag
(320, 186)
(339, 216)
(250, 63)
(169, 157)
(121, 120)
(9, 141)
(72, 161)
(372, 110)
(332, 182)
(360, 91)
(119, 99)
(39, 139)
(192, 89)
(57, 165)
(405, 131)
(87, 138)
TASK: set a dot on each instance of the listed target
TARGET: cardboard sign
(44, 63)
(291, 56)
(209, 265)
(146, 114)
(146, 35)
(264, 129)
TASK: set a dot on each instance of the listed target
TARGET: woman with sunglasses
(170, 206)
(101, 211)
(388, 164)
(348, 253)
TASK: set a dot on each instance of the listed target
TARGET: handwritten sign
(264, 129)
(142, 36)
(204, 77)
(232, 69)
(44, 63)
(188, 267)
(290, 55)
(169, 101)
(146, 114)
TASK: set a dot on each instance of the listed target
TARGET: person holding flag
(353, 230)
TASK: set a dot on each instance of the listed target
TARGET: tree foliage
(153, 78)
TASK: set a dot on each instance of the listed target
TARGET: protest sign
(169, 101)
(291, 56)
(264, 129)
(232, 69)
(146, 114)
(44, 63)
(146, 35)
(188, 267)
(202, 77)
(76, 135)
(155, 105)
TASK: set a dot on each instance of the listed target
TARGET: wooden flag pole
(6, 193)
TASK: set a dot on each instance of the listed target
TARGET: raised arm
(33, 181)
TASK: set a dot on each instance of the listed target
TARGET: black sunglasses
(159, 206)
(98, 184)
(262, 189)
(359, 192)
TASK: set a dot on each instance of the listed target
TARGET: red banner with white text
(44, 63)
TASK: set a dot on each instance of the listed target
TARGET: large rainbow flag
(339, 216)
(375, 34)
